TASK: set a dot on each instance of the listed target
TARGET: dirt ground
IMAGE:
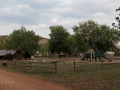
(15, 81)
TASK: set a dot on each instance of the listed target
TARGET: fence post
(30, 65)
(6, 64)
(74, 65)
(55, 67)
(102, 63)
(15, 63)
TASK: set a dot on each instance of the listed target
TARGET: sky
(39, 15)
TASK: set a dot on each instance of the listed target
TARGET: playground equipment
(103, 56)
(89, 56)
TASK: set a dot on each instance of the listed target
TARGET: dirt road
(14, 81)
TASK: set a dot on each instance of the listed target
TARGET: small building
(4, 52)
(16, 54)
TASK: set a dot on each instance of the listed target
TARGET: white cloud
(39, 15)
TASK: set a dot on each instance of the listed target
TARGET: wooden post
(30, 65)
(6, 64)
(74, 65)
(55, 67)
(15, 63)
(102, 63)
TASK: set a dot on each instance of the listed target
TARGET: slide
(106, 58)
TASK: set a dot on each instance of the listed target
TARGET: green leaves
(58, 39)
(23, 40)
(118, 21)
(91, 35)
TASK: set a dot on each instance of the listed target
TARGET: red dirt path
(14, 81)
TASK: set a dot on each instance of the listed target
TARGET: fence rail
(108, 63)
(31, 65)
(102, 63)
(81, 64)
(53, 65)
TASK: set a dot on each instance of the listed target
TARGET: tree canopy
(90, 34)
(3, 45)
(117, 26)
(118, 20)
(70, 45)
(23, 40)
(58, 39)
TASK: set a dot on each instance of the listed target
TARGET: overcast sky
(39, 15)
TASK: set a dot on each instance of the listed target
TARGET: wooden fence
(102, 63)
(31, 65)
(80, 65)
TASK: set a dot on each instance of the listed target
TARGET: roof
(4, 52)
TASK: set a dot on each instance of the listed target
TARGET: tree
(117, 27)
(107, 38)
(3, 45)
(80, 40)
(92, 35)
(23, 40)
(70, 45)
(87, 34)
(58, 39)
(118, 20)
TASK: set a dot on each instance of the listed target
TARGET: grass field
(89, 76)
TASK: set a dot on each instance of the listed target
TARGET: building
(4, 52)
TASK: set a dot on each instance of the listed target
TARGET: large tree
(70, 45)
(95, 36)
(3, 45)
(58, 39)
(80, 40)
(118, 20)
(117, 26)
(117, 29)
(23, 40)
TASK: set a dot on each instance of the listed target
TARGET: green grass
(89, 76)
